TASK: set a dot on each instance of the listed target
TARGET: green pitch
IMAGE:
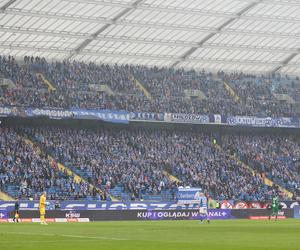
(156, 235)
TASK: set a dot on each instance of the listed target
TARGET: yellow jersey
(42, 202)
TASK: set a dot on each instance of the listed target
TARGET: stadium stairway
(63, 168)
(50, 86)
(171, 177)
(230, 91)
(266, 180)
(5, 196)
(137, 83)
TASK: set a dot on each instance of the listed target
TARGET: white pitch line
(67, 235)
(41, 241)
(90, 237)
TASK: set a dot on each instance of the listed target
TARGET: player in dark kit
(16, 214)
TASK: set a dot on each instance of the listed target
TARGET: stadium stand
(149, 124)
(25, 173)
(277, 157)
(131, 163)
(81, 85)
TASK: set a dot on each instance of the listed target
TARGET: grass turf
(156, 235)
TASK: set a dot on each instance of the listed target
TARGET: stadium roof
(258, 36)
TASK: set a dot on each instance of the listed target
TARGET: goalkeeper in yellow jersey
(43, 208)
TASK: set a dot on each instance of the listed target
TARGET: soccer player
(203, 205)
(16, 213)
(43, 208)
(274, 207)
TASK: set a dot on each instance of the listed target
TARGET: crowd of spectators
(134, 159)
(25, 173)
(78, 86)
(106, 158)
(277, 157)
(137, 159)
(167, 87)
(22, 76)
(258, 94)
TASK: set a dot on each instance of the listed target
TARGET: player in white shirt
(203, 206)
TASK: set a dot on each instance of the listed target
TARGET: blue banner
(3, 214)
(188, 195)
(104, 115)
(146, 116)
(263, 122)
(55, 113)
